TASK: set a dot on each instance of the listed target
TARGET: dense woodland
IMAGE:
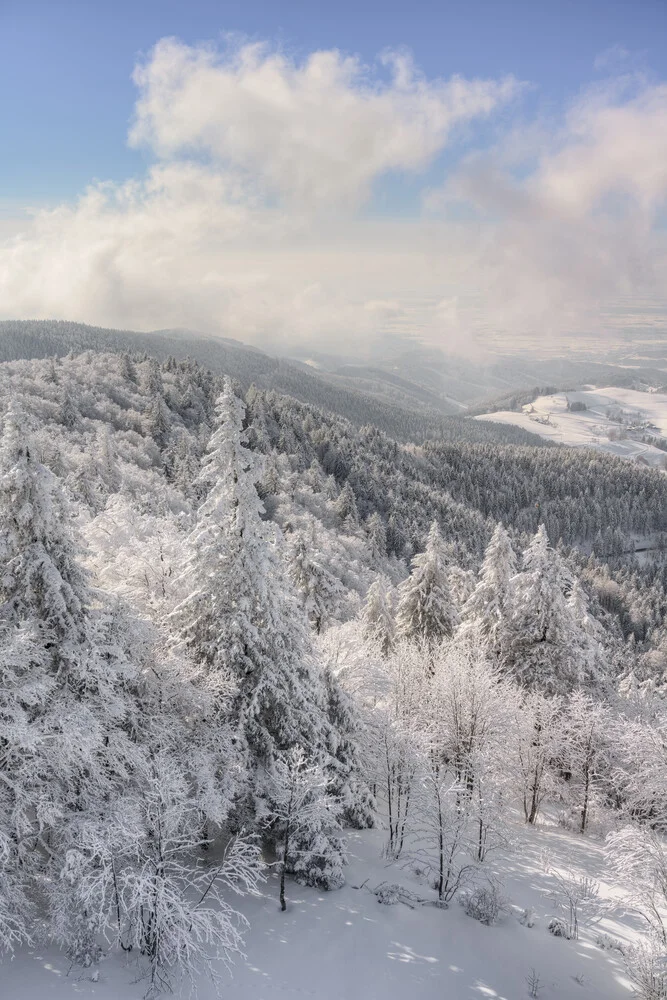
(234, 624)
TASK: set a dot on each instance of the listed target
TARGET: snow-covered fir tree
(303, 818)
(242, 621)
(490, 603)
(425, 608)
(377, 615)
(537, 644)
(322, 594)
(68, 707)
(344, 743)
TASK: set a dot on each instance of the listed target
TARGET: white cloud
(566, 239)
(250, 221)
(316, 133)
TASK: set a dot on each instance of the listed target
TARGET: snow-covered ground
(593, 427)
(345, 945)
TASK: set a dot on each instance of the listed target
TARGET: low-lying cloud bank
(257, 216)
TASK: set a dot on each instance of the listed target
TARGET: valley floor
(343, 945)
(549, 417)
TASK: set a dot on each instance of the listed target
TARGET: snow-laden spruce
(246, 627)
(426, 609)
(490, 603)
(241, 620)
(546, 642)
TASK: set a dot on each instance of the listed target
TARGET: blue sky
(65, 65)
(259, 169)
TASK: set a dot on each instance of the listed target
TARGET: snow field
(345, 945)
(591, 428)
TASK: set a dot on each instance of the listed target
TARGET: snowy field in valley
(344, 944)
(643, 414)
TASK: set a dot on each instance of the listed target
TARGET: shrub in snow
(567, 820)
(534, 984)
(559, 928)
(609, 943)
(15, 909)
(485, 903)
(646, 965)
(389, 894)
(577, 897)
(317, 858)
(527, 917)
(83, 947)
(303, 816)
(638, 860)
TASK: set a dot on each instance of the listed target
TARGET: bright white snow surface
(345, 945)
(591, 427)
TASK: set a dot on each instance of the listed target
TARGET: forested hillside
(234, 625)
(411, 415)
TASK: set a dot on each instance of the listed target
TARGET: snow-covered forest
(245, 643)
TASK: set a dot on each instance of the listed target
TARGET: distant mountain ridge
(401, 407)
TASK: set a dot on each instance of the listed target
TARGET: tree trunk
(584, 810)
(535, 798)
(283, 904)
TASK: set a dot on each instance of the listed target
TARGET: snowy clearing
(344, 944)
(614, 421)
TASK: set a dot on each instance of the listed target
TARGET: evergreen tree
(151, 378)
(303, 820)
(490, 602)
(346, 506)
(377, 537)
(66, 705)
(158, 420)
(242, 621)
(377, 615)
(343, 743)
(586, 640)
(425, 607)
(320, 591)
(42, 579)
(538, 643)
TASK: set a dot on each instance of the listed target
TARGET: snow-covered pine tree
(347, 783)
(346, 506)
(242, 621)
(587, 640)
(490, 602)
(537, 643)
(377, 537)
(157, 420)
(320, 591)
(303, 817)
(41, 578)
(377, 615)
(426, 610)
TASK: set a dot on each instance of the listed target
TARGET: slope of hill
(400, 407)
(347, 946)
